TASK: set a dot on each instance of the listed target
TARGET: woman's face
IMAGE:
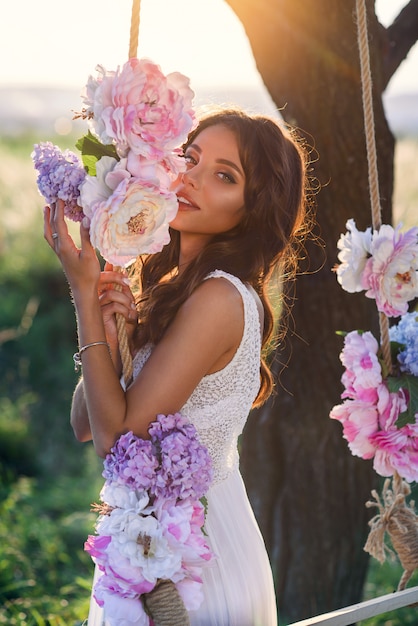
(211, 191)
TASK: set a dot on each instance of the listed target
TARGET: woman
(203, 321)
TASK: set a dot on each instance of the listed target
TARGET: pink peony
(133, 221)
(363, 372)
(97, 96)
(390, 406)
(360, 421)
(391, 273)
(140, 109)
(354, 249)
(120, 609)
(397, 451)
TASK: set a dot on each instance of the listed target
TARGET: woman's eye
(190, 159)
(228, 178)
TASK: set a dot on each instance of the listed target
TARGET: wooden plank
(364, 610)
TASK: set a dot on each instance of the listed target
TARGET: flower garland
(137, 120)
(151, 520)
(379, 413)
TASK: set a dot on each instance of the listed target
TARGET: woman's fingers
(55, 228)
(113, 301)
(110, 277)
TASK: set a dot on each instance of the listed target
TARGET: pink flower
(397, 452)
(363, 371)
(163, 172)
(120, 609)
(140, 109)
(190, 592)
(391, 273)
(360, 421)
(96, 545)
(390, 406)
(133, 221)
(354, 249)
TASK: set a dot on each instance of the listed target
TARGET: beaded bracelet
(77, 355)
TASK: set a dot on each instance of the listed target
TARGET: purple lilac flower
(60, 177)
(131, 462)
(406, 333)
(185, 465)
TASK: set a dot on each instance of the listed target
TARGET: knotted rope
(395, 517)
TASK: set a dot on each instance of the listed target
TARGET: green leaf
(410, 384)
(341, 333)
(92, 150)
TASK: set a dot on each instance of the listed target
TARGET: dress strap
(251, 315)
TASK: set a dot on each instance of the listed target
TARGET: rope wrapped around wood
(396, 517)
(165, 605)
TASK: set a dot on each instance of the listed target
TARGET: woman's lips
(186, 205)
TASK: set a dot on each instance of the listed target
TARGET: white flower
(133, 221)
(124, 497)
(96, 189)
(97, 96)
(354, 249)
(141, 541)
(391, 274)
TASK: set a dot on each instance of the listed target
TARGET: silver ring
(54, 235)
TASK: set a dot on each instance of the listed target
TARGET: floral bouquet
(137, 120)
(379, 412)
(150, 527)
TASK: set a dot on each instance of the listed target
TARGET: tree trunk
(307, 490)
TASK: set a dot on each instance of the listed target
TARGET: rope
(399, 520)
(124, 350)
(125, 353)
(165, 605)
(133, 42)
(366, 81)
(396, 516)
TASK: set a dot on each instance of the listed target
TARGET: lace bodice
(219, 405)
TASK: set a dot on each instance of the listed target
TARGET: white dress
(238, 586)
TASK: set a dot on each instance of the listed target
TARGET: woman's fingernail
(126, 280)
(86, 222)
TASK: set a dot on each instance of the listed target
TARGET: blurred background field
(47, 479)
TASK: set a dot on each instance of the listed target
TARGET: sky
(55, 43)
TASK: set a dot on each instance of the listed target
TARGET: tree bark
(307, 490)
(398, 39)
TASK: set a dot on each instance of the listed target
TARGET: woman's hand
(115, 297)
(85, 277)
(81, 265)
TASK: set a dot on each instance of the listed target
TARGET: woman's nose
(190, 177)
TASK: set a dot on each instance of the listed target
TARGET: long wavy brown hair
(268, 237)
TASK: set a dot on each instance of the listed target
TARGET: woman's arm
(115, 297)
(201, 339)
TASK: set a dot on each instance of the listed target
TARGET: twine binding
(396, 517)
(165, 605)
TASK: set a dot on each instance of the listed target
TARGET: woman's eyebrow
(234, 166)
(231, 164)
(195, 146)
